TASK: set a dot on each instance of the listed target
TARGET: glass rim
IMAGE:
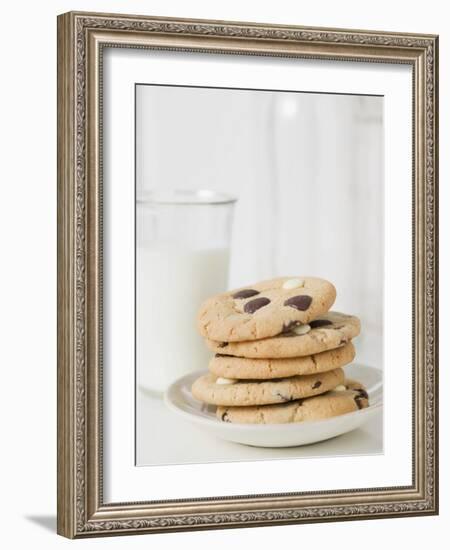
(189, 197)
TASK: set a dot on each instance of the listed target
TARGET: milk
(171, 285)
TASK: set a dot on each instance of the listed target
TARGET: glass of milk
(182, 258)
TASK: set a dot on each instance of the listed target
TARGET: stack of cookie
(279, 353)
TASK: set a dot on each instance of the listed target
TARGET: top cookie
(264, 309)
(330, 331)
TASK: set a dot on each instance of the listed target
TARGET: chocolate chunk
(225, 418)
(246, 293)
(222, 344)
(319, 323)
(287, 327)
(363, 393)
(317, 385)
(358, 401)
(301, 303)
(257, 303)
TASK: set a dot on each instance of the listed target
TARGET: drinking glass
(182, 258)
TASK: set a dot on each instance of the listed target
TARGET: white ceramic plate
(179, 399)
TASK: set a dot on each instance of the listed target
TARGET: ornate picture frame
(82, 38)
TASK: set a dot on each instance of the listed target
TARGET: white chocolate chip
(224, 381)
(290, 284)
(341, 387)
(301, 329)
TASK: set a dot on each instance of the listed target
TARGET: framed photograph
(247, 274)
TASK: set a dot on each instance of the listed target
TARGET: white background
(28, 223)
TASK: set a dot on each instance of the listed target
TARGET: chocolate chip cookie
(209, 389)
(327, 331)
(227, 366)
(265, 309)
(345, 398)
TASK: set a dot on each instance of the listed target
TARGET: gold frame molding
(81, 38)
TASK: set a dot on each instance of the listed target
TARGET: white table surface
(165, 438)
